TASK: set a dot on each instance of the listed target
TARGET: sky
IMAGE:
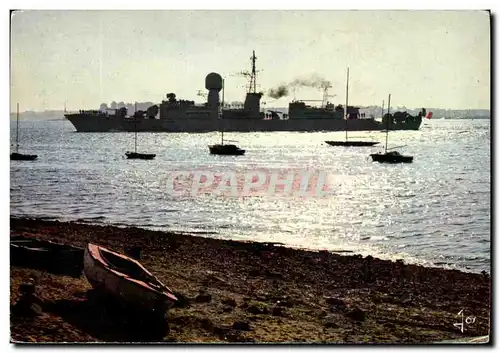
(438, 59)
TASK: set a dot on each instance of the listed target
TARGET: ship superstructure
(174, 115)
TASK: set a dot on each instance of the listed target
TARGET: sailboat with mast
(393, 156)
(350, 143)
(135, 154)
(16, 156)
(222, 149)
(226, 150)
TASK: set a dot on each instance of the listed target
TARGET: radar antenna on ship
(252, 86)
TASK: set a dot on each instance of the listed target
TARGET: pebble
(229, 302)
(241, 325)
(356, 314)
(203, 298)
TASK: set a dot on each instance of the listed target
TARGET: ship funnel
(252, 104)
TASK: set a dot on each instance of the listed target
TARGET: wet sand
(234, 291)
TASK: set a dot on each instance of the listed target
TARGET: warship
(174, 115)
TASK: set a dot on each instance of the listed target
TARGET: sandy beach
(232, 291)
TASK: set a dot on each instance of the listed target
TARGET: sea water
(435, 211)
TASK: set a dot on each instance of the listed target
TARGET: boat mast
(388, 117)
(135, 144)
(222, 132)
(346, 102)
(223, 93)
(135, 127)
(17, 130)
(383, 102)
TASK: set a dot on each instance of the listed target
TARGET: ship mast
(253, 78)
(252, 85)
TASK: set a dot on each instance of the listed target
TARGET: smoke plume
(278, 92)
(313, 81)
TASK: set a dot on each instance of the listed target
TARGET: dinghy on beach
(126, 279)
(46, 255)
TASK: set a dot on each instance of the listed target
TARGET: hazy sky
(423, 58)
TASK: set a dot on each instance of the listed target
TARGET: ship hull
(89, 123)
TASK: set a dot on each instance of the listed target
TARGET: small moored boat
(222, 149)
(226, 150)
(352, 143)
(126, 279)
(391, 157)
(136, 155)
(22, 157)
(16, 156)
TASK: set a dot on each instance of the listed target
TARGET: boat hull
(22, 157)
(220, 150)
(382, 158)
(131, 291)
(134, 155)
(45, 255)
(91, 123)
(352, 143)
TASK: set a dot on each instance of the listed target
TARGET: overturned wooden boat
(126, 279)
(46, 255)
